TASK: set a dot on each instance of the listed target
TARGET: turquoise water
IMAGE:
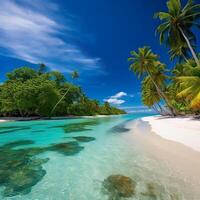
(71, 159)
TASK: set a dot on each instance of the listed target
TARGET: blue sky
(93, 37)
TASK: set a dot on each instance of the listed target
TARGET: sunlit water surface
(77, 166)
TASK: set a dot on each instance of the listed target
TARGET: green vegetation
(175, 91)
(28, 92)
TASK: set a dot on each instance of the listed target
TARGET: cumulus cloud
(115, 99)
(119, 95)
(33, 31)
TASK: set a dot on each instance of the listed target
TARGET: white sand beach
(173, 143)
(182, 130)
(3, 120)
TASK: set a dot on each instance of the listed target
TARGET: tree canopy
(28, 92)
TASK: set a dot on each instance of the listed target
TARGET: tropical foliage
(176, 29)
(29, 92)
(177, 90)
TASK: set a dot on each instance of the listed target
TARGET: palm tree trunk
(162, 95)
(184, 57)
(190, 47)
(59, 101)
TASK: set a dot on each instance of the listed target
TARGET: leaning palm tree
(150, 96)
(74, 76)
(145, 62)
(177, 24)
(180, 51)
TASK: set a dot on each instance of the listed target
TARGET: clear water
(79, 175)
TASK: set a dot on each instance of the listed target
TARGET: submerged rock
(79, 127)
(84, 139)
(68, 148)
(18, 143)
(118, 186)
(119, 129)
(151, 191)
(19, 169)
(155, 191)
(4, 130)
(22, 180)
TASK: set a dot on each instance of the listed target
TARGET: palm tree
(74, 76)
(145, 62)
(189, 86)
(150, 96)
(42, 68)
(178, 23)
(180, 51)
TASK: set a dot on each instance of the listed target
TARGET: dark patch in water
(155, 191)
(151, 191)
(10, 129)
(119, 186)
(19, 170)
(84, 139)
(68, 148)
(18, 143)
(80, 127)
(37, 131)
(119, 129)
(40, 124)
(58, 126)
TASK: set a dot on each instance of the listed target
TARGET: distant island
(29, 93)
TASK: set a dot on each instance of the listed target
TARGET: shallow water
(70, 160)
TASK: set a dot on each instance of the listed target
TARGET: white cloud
(115, 99)
(119, 95)
(32, 32)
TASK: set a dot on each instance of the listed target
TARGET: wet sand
(182, 163)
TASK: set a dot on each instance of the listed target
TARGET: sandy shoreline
(4, 120)
(183, 130)
(7, 119)
(180, 161)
